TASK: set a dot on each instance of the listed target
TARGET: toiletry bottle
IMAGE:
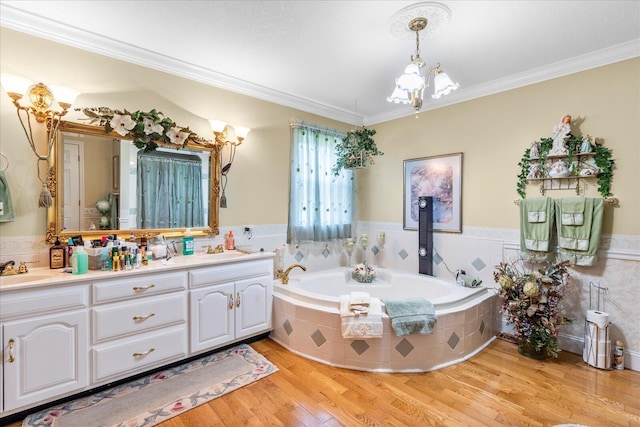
(187, 243)
(69, 251)
(231, 242)
(57, 255)
(79, 261)
(618, 356)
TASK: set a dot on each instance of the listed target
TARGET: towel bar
(607, 200)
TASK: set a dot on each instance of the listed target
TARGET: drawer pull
(11, 344)
(238, 299)
(230, 301)
(146, 353)
(145, 317)
(143, 288)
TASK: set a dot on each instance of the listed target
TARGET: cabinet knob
(238, 299)
(230, 301)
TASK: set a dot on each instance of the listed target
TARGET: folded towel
(359, 301)
(360, 325)
(579, 244)
(411, 315)
(6, 203)
(536, 229)
(573, 211)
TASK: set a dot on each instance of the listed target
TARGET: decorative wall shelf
(567, 162)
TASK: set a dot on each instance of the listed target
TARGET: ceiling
(339, 59)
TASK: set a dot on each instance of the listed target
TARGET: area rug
(150, 400)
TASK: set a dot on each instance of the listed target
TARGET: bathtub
(306, 321)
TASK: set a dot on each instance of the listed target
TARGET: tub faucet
(285, 276)
(7, 269)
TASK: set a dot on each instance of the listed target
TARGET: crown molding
(566, 67)
(38, 26)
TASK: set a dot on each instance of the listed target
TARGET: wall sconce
(41, 99)
(226, 134)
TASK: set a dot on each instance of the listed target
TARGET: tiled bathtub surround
(315, 332)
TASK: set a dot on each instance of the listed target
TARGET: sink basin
(21, 278)
(224, 255)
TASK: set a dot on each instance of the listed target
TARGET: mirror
(101, 183)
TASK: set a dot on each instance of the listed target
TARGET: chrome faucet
(7, 269)
(285, 276)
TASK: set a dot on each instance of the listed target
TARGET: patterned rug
(160, 396)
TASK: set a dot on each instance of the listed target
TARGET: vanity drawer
(229, 272)
(138, 286)
(123, 319)
(137, 354)
(38, 302)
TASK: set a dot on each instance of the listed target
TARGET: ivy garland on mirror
(603, 163)
(146, 129)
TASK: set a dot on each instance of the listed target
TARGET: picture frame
(441, 178)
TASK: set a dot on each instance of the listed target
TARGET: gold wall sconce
(41, 98)
(225, 134)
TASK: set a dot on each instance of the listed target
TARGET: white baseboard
(574, 344)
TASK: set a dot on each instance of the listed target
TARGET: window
(321, 205)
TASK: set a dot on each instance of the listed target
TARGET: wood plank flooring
(497, 387)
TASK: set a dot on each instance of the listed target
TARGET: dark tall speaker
(425, 235)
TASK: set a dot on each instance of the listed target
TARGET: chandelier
(409, 88)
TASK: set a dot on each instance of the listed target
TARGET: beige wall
(257, 191)
(492, 132)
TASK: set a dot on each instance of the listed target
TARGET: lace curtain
(321, 205)
(169, 190)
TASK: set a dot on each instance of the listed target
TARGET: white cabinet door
(50, 355)
(253, 306)
(5, 355)
(211, 316)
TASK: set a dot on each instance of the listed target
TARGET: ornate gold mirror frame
(55, 222)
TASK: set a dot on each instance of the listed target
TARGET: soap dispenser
(57, 255)
(231, 241)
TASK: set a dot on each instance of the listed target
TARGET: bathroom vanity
(63, 334)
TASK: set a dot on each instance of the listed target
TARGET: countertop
(42, 276)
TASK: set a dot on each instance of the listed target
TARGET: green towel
(572, 235)
(536, 237)
(411, 315)
(589, 256)
(6, 204)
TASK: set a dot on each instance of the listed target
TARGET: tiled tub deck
(310, 325)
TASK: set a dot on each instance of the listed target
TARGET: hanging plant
(601, 155)
(356, 150)
(146, 129)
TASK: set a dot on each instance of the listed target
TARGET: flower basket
(364, 273)
(532, 303)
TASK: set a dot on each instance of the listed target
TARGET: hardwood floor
(497, 387)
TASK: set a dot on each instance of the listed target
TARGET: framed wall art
(441, 178)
